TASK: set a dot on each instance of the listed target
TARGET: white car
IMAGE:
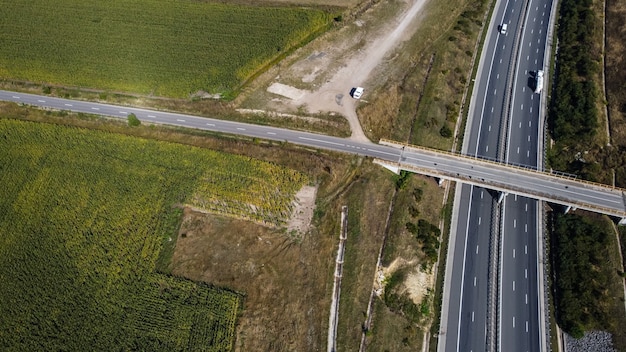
(503, 28)
(356, 92)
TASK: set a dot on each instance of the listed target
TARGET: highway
(495, 132)
(521, 313)
(470, 318)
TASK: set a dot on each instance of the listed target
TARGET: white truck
(538, 81)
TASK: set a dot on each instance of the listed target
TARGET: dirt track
(333, 94)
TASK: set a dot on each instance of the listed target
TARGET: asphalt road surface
(429, 162)
(520, 310)
(488, 126)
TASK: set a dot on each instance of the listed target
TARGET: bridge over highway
(506, 178)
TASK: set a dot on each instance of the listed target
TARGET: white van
(503, 28)
(356, 92)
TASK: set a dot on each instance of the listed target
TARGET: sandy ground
(354, 70)
(302, 214)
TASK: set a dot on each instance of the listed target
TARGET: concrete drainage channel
(333, 320)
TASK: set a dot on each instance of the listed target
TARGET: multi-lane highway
(498, 307)
(521, 319)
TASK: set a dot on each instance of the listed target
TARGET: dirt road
(333, 94)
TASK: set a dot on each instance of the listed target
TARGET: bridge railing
(528, 169)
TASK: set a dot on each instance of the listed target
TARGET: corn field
(82, 224)
(160, 47)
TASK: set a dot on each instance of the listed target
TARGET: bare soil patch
(304, 205)
(285, 282)
(318, 78)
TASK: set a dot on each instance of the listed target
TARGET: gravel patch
(593, 341)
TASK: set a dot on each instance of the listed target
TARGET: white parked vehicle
(356, 92)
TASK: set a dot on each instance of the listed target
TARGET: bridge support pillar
(501, 197)
(569, 208)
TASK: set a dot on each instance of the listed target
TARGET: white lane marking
(503, 46)
(472, 315)
(494, 92)
(500, 60)
(524, 89)
(526, 273)
(527, 57)
(151, 116)
(479, 220)
(486, 148)
(123, 112)
(489, 128)
(476, 253)
(541, 21)
(538, 42)
(492, 109)
(498, 76)
(180, 120)
(534, 19)
(41, 101)
(537, 8)
(540, 31)
(241, 129)
(522, 107)
(532, 31)
(537, 50)
(520, 124)
(527, 298)
(531, 109)
(526, 207)
(481, 194)
(535, 61)
(210, 124)
(528, 153)
(526, 325)
(526, 228)
(517, 150)
(95, 108)
(525, 249)
(513, 285)
(68, 104)
(16, 97)
(513, 321)
(513, 258)
(529, 123)
(529, 141)
(532, 97)
(474, 281)
(272, 133)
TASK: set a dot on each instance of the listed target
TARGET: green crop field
(83, 217)
(160, 47)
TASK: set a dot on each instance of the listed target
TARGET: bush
(445, 131)
(133, 120)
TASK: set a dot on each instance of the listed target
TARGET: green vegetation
(165, 48)
(573, 116)
(427, 235)
(583, 281)
(133, 121)
(84, 216)
(401, 303)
